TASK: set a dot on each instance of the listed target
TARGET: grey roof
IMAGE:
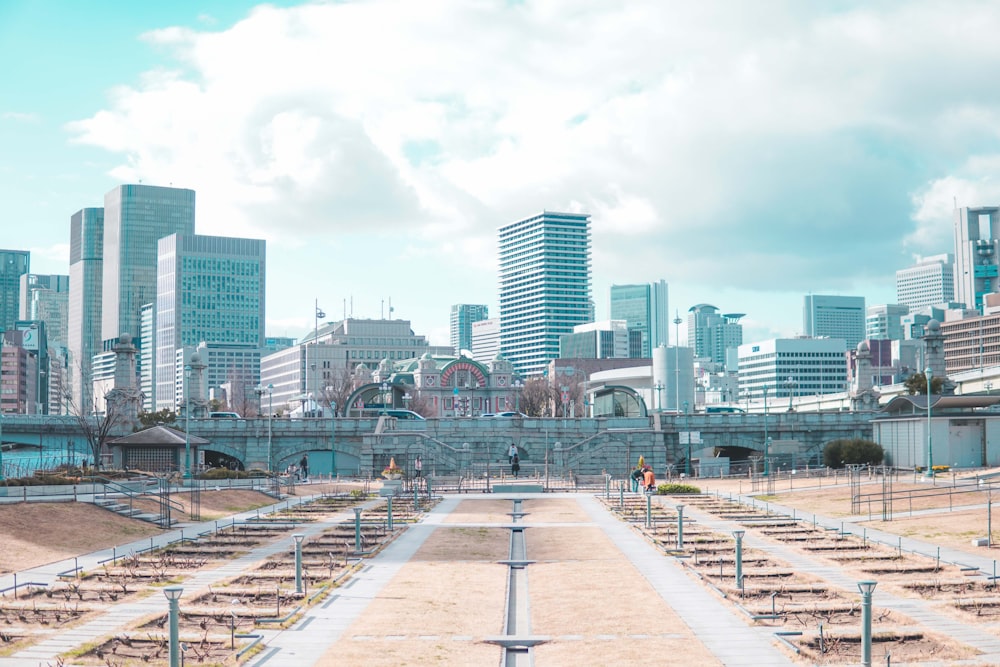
(158, 435)
(918, 402)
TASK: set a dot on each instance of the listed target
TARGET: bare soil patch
(545, 510)
(567, 544)
(457, 604)
(465, 544)
(955, 530)
(481, 511)
(39, 533)
(214, 504)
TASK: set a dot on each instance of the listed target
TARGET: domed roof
(863, 346)
(195, 358)
(933, 325)
(125, 339)
(426, 355)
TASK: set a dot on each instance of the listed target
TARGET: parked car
(403, 414)
(511, 415)
(224, 415)
(487, 415)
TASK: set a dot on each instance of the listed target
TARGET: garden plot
(896, 646)
(153, 647)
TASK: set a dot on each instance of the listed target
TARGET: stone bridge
(447, 446)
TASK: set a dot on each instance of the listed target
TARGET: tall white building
(977, 255)
(787, 367)
(485, 340)
(610, 339)
(929, 282)
(544, 265)
(825, 316)
(86, 271)
(885, 321)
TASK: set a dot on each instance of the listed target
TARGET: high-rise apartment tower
(644, 308)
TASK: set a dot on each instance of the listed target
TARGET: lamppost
(677, 364)
(298, 537)
(333, 439)
(517, 384)
(658, 387)
(738, 534)
(929, 375)
(866, 587)
(269, 389)
(385, 390)
(791, 392)
(687, 456)
(406, 401)
(766, 439)
(187, 422)
(173, 594)
(1, 405)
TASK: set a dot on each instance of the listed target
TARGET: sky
(747, 153)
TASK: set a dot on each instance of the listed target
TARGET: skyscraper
(544, 286)
(136, 217)
(977, 255)
(211, 290)
(644, 308)
(86, 271)
(46, 298)
(884, 322)
(13, 265)
(711, 334)
(825, 316)
(463, 316)
(929, 282)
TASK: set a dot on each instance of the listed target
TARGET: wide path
(704, 621)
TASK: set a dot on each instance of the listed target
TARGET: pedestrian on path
(511, 453)
(515, 465)
(636, 477)
(418, 466)
(649, 479)
(304, 468)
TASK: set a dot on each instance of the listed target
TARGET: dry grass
(39, 533)
(481, 511)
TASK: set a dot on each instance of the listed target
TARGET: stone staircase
(119, 504)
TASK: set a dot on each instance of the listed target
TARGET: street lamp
(269, 390)
(1, 405)
(677, 365)
(173, 594)
(406, 401)
(517, 384)
(929, 375)
(385, 390)
(766, 439)
(866, 587)
(333, 439)
(658, 387)
(738, 534)
(687, 434)
(187, 422)
(791, 391)
(298, 537)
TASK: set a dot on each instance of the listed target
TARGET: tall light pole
(333, 439)
(173, 595)
(270, 412)
(518, 384)
(385, 390)
(1, 405)
(677, 363)
(929, 375)
(687, 434)
(658, 388)
(187, 422)
(791, 392)
(766, 439)
(317, 315)
(866, 587)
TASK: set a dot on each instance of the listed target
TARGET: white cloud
(725, 144)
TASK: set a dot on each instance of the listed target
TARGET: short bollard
(621, 497)
(173, 594)
(607, 487)
(357, 529)
(866, 587)
(680, 526)
(738, 534)
(427, 481)
(649, 510)
(388, 501)
(416, 498)
(298, 537)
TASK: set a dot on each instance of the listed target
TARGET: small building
(159, 449)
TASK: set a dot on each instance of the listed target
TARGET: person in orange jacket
(649, 479)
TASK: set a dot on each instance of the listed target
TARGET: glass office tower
(644, 309)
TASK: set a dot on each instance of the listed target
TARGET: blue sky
(748, 153)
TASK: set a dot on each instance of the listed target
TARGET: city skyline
(802, 154)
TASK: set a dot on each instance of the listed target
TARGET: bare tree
(421, 404)
(338, 388)
(98, 429)
(535, 397)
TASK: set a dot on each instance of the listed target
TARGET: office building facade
(977, 255)
(13, 265)
(86, 276)
(838, 317)
(711, 333)
(611, 339)
(463, 316)
(486, 340)
(644, 308)
(929, 282)
(885, 321)
(46, 298)
(788, 367)
(210, 290)
(544, 265)
(136, 217)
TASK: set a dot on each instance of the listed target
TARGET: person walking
(515, 465)
(304, 468)
(649, 480)
(418, 467)
(511, 453)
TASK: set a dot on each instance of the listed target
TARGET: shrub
(670, 489)
(223, 473)
(357, 493)
(838, 453)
